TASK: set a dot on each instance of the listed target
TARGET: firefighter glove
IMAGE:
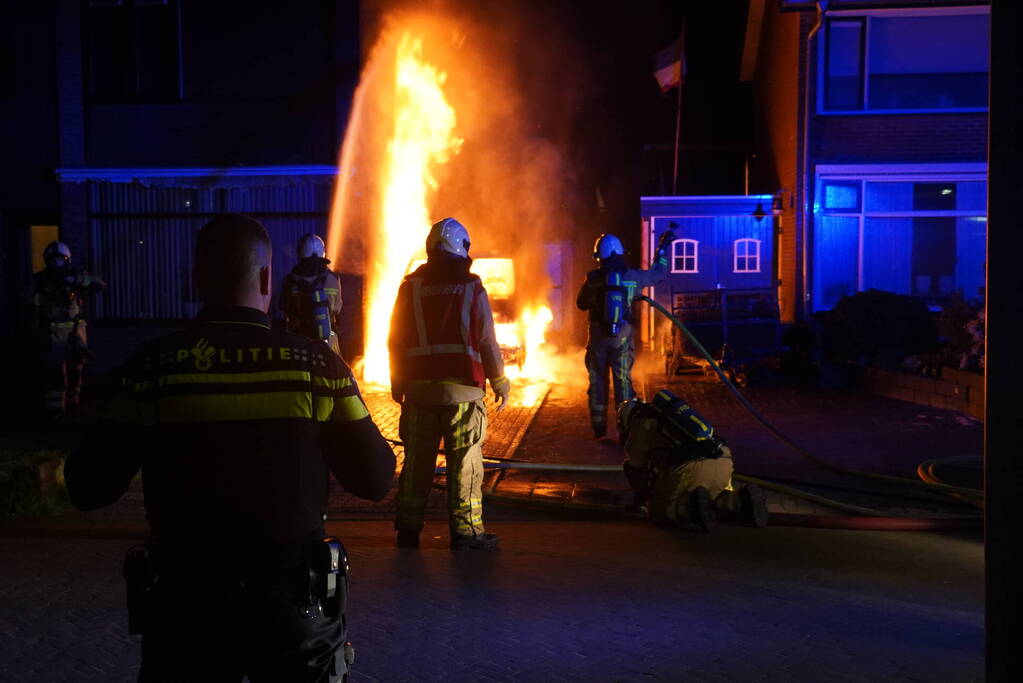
(667, 237)
(501, 387)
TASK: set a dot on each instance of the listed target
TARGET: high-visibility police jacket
(442, 328)
(235, 428)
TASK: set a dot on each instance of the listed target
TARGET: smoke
(511, 182)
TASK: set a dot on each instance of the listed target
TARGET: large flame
(403, 128)
(424, 135)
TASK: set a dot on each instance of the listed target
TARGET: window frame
(173, 95)
(695, 255)
(735, 255)
(874, 173)
(823, 48)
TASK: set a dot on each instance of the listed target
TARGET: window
(906, 62)
(684, 256)
(747, 256)
(132, 49)
(924, 236)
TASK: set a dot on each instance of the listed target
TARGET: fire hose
(785, 439)
(857, 517)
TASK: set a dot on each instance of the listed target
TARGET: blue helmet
(607, 246)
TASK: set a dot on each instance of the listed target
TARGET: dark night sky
(604, 59)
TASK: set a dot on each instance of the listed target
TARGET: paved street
(579, 596)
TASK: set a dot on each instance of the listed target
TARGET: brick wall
(900, 138)
(957, 390)
(777, 94)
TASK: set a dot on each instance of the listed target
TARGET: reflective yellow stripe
(323, 407)
(349, 409)
(332, 383)
(236, 407)
(235, 378)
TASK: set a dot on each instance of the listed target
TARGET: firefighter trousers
(614, 355)
(63, 363)
(668, 502)
(462, 427)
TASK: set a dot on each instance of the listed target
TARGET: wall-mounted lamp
(758, 213)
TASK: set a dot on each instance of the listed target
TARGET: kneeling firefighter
(679, 469)
(608, 295)
(311, 296)
(443, 351)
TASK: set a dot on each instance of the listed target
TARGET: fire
(423, 136)
(403, 129)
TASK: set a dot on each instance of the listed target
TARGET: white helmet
(311, 245)
(56, 249)
(607, 246)
(449, 236)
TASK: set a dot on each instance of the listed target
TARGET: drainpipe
(811, 57)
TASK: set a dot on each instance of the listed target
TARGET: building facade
(160, 114)
(872, 134)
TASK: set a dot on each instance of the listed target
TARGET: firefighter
(679, 469)
(443, 350)
(58, 293)
(236, 428)
(311, 294)
(608, 294)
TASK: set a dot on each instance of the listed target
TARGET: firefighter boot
(753, 505)
(408, 538)
(478, 542)
(699, 510)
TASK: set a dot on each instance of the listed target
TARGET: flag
(670, 65)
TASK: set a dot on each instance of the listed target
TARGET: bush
(31, 481)
(878, 328)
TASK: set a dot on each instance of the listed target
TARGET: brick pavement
(570, 601)
(584, 597)
(864, 432)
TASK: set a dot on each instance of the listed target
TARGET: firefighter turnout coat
(443, 350)
(311, 277)
(607, 352)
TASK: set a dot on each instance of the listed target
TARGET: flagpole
(678, 117)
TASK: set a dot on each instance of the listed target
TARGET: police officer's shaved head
(232, 261)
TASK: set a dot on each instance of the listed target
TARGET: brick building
(872, 134)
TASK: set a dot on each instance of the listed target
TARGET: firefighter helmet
(607, 246)
(56, 254)
(311, 245)
(449, 236)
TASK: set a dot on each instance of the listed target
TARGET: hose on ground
(925, 471)
(785, 439)
(855, 518)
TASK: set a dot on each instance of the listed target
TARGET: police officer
(235, 428)
(311, 294)
(443, 351)
(58, 293)
(680, 469)
(608, 294)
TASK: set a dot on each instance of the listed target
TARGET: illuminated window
(923, 238)
(922, 62)
(747, 256)
(684, 256)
